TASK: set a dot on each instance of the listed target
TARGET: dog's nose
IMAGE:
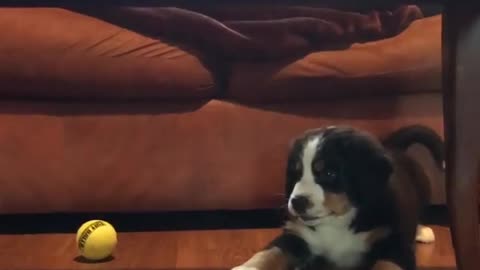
(300, 204)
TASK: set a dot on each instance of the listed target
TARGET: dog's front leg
(287, 251)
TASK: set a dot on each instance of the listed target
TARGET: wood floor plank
(195, 250)
(439, 254)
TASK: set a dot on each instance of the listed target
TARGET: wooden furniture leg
(461, 56)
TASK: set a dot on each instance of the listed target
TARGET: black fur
(386, 186)
(407, 136)
(294, 247)
(362, 167)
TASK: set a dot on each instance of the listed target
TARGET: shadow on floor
(128, 222)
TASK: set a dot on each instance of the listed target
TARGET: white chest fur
(335, 241)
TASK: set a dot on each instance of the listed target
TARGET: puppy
(353, 202)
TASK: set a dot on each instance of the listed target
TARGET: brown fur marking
(318, 165)
(339, 204)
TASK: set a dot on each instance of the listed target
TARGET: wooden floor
(205, 249)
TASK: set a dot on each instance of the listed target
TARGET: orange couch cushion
(49, 52)
(159, 156)
(407, 63)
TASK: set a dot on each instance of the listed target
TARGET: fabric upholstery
(407, 63)
(259, 32)
(150, 156)
(55, 53)
(97, 116)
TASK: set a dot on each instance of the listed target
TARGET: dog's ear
(379, 172)
(370, 178)
(381, 169)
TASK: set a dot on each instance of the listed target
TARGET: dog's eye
(328, 176)
(331, 174)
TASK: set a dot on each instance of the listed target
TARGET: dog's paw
(244, 267)
(425, 235)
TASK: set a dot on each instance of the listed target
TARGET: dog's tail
(407, 136)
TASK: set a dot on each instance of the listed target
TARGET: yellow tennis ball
(96, 240)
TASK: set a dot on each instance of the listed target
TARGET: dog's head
(334, 171)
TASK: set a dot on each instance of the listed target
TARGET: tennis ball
(96, 240)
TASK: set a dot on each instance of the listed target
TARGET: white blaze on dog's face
(306, 188)
(327, 168)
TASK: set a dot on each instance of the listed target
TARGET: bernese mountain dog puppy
(354, 202)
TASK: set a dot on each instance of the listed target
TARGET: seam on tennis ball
(87, 231)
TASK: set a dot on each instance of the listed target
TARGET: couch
(49, 81)
(102, 115)
(97, 117)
